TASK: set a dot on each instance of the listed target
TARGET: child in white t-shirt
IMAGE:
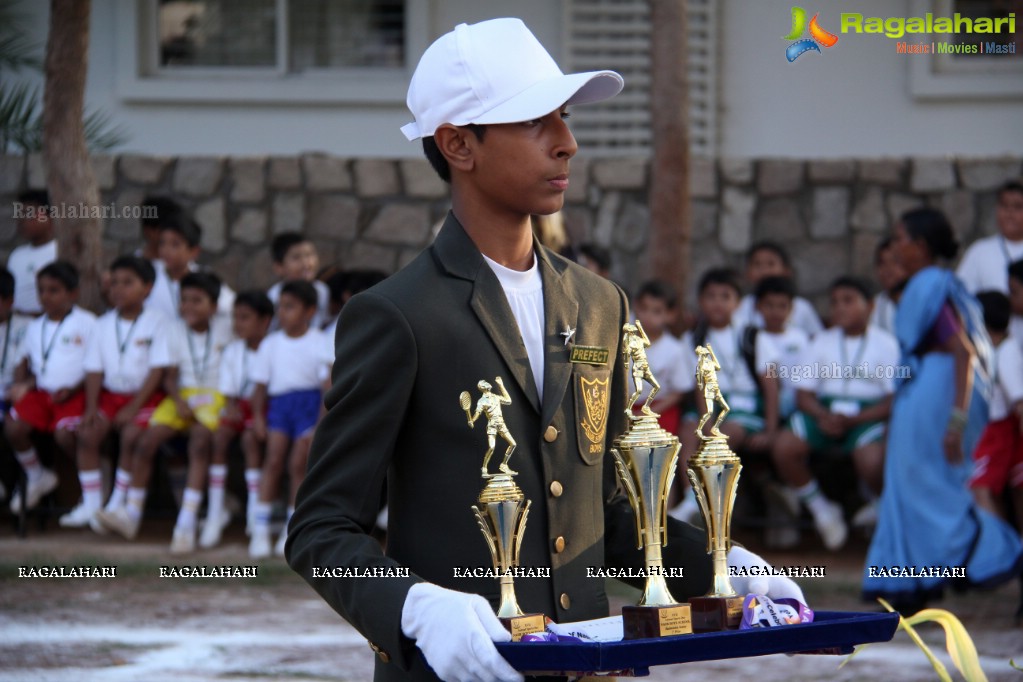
(12, 330)
(179, 249)
(295, 257)
(32, 211)
(671, 365)
(775, 296)
(768, 259)
(124, 364)
(291, 370)
(844, 398)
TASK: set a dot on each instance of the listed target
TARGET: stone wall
(374, 213)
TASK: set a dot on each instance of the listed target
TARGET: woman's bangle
(957, 420)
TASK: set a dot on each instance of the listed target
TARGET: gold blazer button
(559, 544)
(565, 601)
(550, 434)
(557, 489)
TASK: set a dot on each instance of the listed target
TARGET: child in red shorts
(124, 364)
(47, 392)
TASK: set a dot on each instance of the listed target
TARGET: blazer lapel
(561, 312)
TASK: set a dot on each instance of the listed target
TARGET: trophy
(714, 474)
(502, 519)
(645, 457)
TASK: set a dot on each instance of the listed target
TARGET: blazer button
(557, 489)
(550, 434)
(565, 601)
(559, 544)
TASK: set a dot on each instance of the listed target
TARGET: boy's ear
(457, 146)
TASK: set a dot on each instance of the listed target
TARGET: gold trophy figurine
(645, 457)
(502, 519)
(714, 474)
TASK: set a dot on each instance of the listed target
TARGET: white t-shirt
(672, 364)
(853, 367)
(734, 378)
(883, 314)
(524, 291)
(125, 351)
(198, 355)
(790, 350)
(287, 364)
(56, 350)
(24, 262)
(166, 294)
(12, 334)
(803, 315)
(1009, 375)
(236, 370)
(985, 265)
(322, 302)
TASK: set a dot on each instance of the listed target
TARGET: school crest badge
(594, 423)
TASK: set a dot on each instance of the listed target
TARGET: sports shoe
(44, 484)
(831, 525)
(183, 541)
(279, 547)
(259, 545)
(79, 517)
(212, 529)
(119, 522)
(866, 517)
(97, 527)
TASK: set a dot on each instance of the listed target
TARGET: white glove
(773, 586)
(456, 633)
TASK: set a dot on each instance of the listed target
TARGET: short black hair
(136, 264)
(257, 301)
(596, 253)
(62, 271)
(184, 226)
(725, 276)
(159, 210)
(1016, 270)
(775, 285)
(1010, 186)
(931, 226)
(860, 285)
(39, 197)
(302, 290)
(6, 283)
(660, 290)
(997, 310)
(206, 282)
(283, 243)
(774, 247)
(437, 160)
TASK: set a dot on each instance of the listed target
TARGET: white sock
(811, 495)
(190, 501)
(215, 498)
(92, 489)
(30, 463)
(253, 477)
(135, 503)
(261, 523)
(122, 481)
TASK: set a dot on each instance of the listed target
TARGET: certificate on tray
(831, 632)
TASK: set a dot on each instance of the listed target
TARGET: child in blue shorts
(291, 368)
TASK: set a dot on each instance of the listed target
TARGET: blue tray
(832, 632)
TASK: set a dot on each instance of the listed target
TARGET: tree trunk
(670, 231)
(69, 176)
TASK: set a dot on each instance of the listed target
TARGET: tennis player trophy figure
(503, 508)
(714, 473)
(645, 457)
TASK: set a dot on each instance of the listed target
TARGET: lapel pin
(568, 334)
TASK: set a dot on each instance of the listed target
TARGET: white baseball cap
(495, 71)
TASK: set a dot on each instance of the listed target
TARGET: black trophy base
(524, 625)
(643, 622)
(713, 614)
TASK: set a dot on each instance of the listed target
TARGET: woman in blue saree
(928, 522)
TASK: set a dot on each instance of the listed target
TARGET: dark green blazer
(405, 350)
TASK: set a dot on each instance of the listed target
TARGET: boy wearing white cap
(484, 300)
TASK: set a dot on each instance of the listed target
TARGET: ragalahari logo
(818, 36)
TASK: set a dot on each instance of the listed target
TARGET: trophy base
(713, 614)
(642, 622)
(524, 625)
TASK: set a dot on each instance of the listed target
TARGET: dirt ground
(139, 626)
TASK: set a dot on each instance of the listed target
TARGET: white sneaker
(866, 517)
(212, 529)
(183, 541)
(687, 511)
(119, 522)
(45, 483)
(259, 545)
(79, 517)
(97, 527)
(831, 526)
(279, 547)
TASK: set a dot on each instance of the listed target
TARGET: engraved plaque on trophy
(502, 509)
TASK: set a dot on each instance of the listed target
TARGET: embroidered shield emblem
(595, 401)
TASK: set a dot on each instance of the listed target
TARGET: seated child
(124, 364)
(844, 398)
(47, 394)
(253, 312)
(179, 249)
(998, 456)
(12, 331)
(291, 369)
(295, 257)
(890, 276)
(156, 211)
(775, 296)
(768, 259)
(35, 226)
